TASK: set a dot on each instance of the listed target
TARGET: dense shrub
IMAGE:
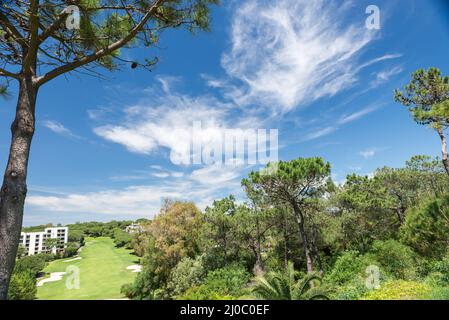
(439, 272)
(439, 293)
(426, 228)
(121, 238)
(22, 286)
(396, 259)
(400, 290)
(221, 284)
(71, 249)
(346, 268)
(349, 274)
(33, 264)
(187, 274)
(76, 236)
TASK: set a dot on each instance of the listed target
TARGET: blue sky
(310, 69)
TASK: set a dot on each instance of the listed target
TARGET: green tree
(294, 183)
(188, 273)
(172, 236)
(426, 228)
(34, 264)
(149, 282)
(285, 286)
(38, 46)
(395, 258)
(250, 231)
(219, 231)
(121, 238)
(23, 286)
(52, 243)
(427, 97)
(256, 219)
(226, 283)
(370, 208)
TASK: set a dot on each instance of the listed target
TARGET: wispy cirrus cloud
(347, 118)
(59, 128)
(290, 52)
(343, 120)
(318, 133)
(385, 75)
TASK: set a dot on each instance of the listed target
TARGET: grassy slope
(102, 272)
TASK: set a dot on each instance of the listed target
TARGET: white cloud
(135, 200)
(368, 153)
(290, 52)
(320, 133)
(357, 115)
(385, 75)
(58, 128)
(216, 174)
(201, 186)
(165, 119)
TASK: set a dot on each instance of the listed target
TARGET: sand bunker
(134, 268)
(54, 276)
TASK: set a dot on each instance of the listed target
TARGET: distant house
(134, 228)
(35, 242)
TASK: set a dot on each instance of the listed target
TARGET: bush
(396, 259)
(439, 293)
(76, 236)
(221, 284)
(22, 286)
(33, 264)
(71, 249)
(439, 272)
(350, 291)
(400, 290)
(187, 274)
(121, 238)
(347, 267)
(349, 274)
(425, 228)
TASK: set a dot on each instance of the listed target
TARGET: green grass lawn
(102, 272)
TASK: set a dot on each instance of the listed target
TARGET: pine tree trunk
(303, 235)
(14, 189)
(259, 263)
(444, 149)
(315, 249)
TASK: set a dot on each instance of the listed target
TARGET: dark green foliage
(426, 228)
(121, 238)
(149, 283)
(188, 273)
(22, 286)
(427, 96)
(395, 259)
(71, 249)
(440, 271)
(221, 284)
(33, 264)
(285, 285)
(347, 267)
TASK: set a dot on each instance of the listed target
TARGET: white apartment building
(134, 228)
(34, 242)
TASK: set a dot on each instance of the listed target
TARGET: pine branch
(10, 28)
(6, 73)
(102, 52)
